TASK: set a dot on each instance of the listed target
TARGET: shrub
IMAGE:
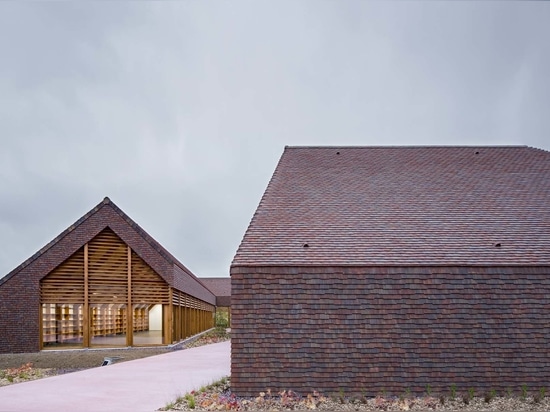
(222, 319)
(524, 392)
(453, 392)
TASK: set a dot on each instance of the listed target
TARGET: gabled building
(102, 282)
(392, 268)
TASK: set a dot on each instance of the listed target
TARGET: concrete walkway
(145, 384)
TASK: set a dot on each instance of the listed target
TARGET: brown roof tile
(107, 214)
(218, 286)
(221, 287)
(403, 206)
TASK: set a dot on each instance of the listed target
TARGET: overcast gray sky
(179, 111)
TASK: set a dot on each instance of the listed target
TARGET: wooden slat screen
(107, 276)
(66, 282)
(182, 299)
(147, 286)
(178, 298)
(107, 269)
(104, 290)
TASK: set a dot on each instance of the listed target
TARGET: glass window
(108, 324)
(62, 325)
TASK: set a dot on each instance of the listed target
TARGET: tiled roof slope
(218, 286)
(221, 287)
(179, 276)
(403, 206)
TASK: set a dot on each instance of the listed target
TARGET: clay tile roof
(403, 206)
(182, 278)
(221, 287)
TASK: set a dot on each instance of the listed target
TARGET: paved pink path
(140, 385)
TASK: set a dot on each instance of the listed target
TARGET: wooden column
(167, 327)
(176, 323)
(129, 309)
(86, 318)
(190, 321)
(187, 321)
(195, 320)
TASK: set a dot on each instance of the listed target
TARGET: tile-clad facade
(373, 329)
(387, 268)
(20, 289)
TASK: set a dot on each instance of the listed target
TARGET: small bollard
(110, 360)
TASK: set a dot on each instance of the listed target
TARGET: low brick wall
(366, 330)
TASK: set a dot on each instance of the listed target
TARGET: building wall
(19, 315)
(19, 292)
(366, 330)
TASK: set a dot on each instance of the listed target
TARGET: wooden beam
(129, 309)
(86, 328)
(168, 327)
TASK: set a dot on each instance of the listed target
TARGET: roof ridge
(407, 147)
(215, 277)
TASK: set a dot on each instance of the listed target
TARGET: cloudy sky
(179, 111)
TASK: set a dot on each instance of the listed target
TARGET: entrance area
(149, 321)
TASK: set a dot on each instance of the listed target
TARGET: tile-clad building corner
(392, 268)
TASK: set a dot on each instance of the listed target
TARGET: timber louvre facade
(369, 268)
(102, 282)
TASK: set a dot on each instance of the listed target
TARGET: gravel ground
(218, 397)
(74, 359)
(20, 367)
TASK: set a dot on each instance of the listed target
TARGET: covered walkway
(141, 385)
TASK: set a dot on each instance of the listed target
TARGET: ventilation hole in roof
(498, 245)
(337, 153)
(305, 245)
(477, 152)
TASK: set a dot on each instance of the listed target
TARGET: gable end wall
(19, 293)
(364, 330)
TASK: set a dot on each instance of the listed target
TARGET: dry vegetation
(218, 396)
